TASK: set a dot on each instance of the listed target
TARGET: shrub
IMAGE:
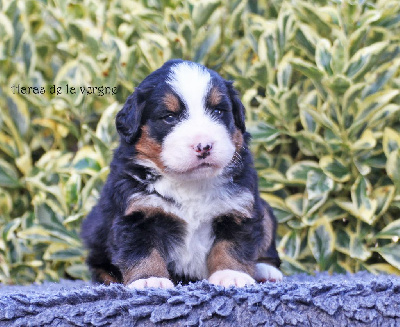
(320, 81)
(328, 147)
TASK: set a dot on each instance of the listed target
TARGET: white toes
(229, 277)
(265, 272)
(152, 282)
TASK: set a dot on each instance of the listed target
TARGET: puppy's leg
(94, 233)
(268, 258)
(225, 269)
(137, 244)
(148, 272)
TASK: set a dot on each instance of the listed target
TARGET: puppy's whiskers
(237, 159)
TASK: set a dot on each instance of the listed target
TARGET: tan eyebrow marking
(215, 96)
(171, 102)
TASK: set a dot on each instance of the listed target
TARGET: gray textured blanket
(341, 300)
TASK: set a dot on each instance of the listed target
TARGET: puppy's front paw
(229, 277)
(153, 282)
(265, 272)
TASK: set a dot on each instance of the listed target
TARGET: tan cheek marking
(152, 266)
(238, 140)
(215, 96)
(221, 258)
(171, 102)
(149, 149)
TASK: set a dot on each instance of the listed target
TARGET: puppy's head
(183, 120)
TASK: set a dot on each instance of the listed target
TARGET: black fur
(237, 106)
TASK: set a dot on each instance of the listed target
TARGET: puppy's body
(181, 202)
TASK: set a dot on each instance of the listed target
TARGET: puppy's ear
(128, 120)
(237, 107)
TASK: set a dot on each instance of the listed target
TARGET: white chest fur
(197, 203)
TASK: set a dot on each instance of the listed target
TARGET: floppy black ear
(237, 107)
(128, 119)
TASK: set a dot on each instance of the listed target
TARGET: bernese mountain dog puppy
(181, 202)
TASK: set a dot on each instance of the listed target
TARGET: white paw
(229, 277)
(153, 282)
(265, 272)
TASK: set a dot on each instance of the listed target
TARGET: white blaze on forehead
(192, 83)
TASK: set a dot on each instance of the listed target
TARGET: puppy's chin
(201, 172)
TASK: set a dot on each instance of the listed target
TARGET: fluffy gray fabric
(322, 300)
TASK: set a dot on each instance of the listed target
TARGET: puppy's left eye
(217, 112)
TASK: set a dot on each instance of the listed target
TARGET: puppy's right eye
(169, 119)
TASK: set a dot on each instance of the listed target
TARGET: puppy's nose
(203, 150)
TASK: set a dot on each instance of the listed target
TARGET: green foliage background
(320, 81)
